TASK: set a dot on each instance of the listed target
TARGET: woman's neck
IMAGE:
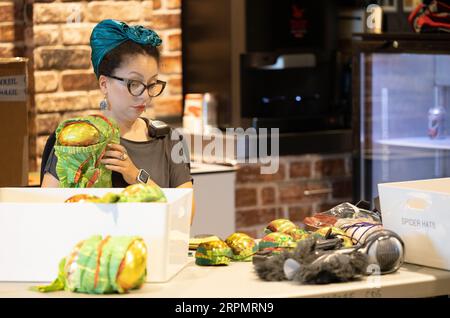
(125, 126)
(129, 129)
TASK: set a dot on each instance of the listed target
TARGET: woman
(125, 60)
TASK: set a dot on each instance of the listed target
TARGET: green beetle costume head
(102, 266)
(80, 144)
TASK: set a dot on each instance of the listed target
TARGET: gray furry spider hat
(308, 265)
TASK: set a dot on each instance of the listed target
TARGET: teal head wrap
(108, 34)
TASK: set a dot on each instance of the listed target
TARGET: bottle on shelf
(436, 115)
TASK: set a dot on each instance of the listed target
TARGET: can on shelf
(436, 118)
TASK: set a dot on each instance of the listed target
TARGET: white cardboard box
(419, 211)
(37, 229)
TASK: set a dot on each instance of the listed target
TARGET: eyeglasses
(136, 88)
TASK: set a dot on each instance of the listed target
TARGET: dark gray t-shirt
(154, 156)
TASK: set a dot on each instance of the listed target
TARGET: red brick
(7, 50)
(300, 170)
(252, 173)
(330, 168)
(245, 197)
(174, 42)
(47, 123)
(298, 213)
(73, 114)
(248, 173)
(171, 64)
(292, 192)
(147, 10)
(175, 85)
(156, 4)
(77, 81)
(58, 102)
(11, 50)
(164, 21)
(57, 12)
(62, 58)
(45, 81)
(76, 33)
(173, 4)
(295, 192)
(11, 32)
(120, 10)
(6, 12)
(342, 188)
(247, 218)
(44, 35)
(268, 196)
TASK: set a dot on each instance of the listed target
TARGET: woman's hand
(116, 159)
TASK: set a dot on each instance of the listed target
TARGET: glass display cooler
(401, 115)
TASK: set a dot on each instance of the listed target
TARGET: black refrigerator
(401, 115)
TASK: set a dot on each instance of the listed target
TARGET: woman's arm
(49, 181)
(190, 186)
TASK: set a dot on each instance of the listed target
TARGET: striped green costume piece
(243, 247)
(213, 253)
(96, 268)
(276, 242)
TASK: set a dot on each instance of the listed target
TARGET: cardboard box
(419, 211)
(14, 122)
(37, 229)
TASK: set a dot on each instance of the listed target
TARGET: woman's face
(123, 105)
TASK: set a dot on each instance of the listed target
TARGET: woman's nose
(143, 98)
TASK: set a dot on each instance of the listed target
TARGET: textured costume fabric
(431, 16)
(315, 266)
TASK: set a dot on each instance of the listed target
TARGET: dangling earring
(104, 104)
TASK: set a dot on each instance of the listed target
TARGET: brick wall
(57, 41)
(12, 24)
(263, 198)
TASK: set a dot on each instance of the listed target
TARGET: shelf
(202, 168)
(417, 142)
(394, 153)
(443, 36)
